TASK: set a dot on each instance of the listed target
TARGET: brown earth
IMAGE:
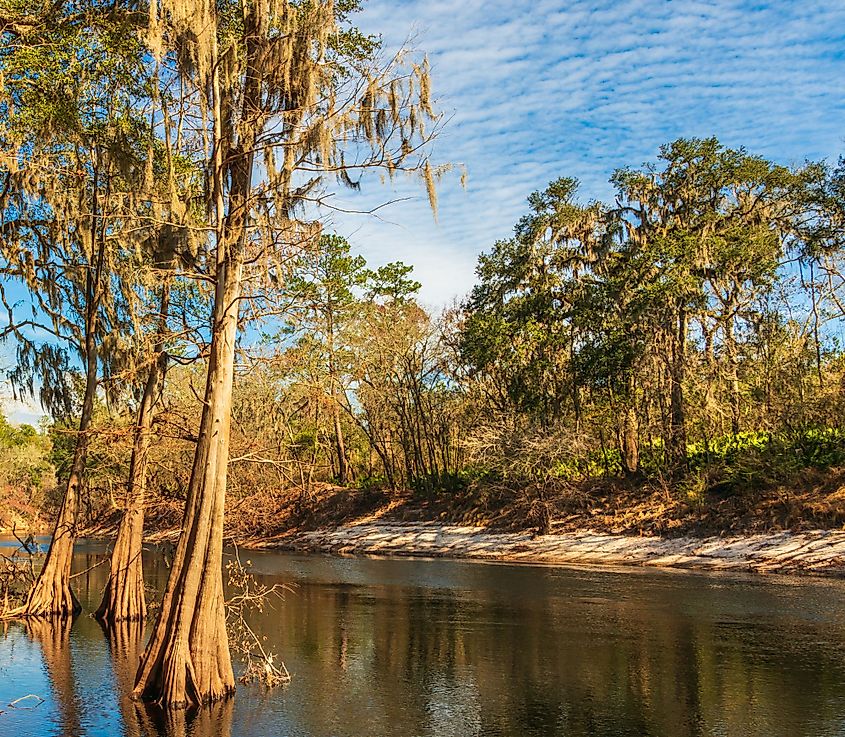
(816, 501)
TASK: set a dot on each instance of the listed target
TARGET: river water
(411, 648)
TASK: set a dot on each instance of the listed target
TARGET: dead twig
(16, 704)
(261, 665)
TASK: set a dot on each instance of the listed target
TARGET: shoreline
(815, 552)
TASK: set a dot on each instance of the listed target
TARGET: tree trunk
(630, 442)
(340, 444)
(677, 414)
(816, 325)
(733, 364)
(123, 598)
(51, 595)
(187, 660)
(342, 465)
(736, 397)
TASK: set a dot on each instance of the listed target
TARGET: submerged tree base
(122, 603)
(124, 599)
(47, 602)
(51, 595)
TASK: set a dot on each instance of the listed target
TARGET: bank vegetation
(667, 363)
(216, 360)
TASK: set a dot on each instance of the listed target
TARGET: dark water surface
(414, 647)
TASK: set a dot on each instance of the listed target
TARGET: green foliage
(666, 317)
(26, 474)
(12, 436)
(431, 485)
(391, 282)
(76, 142)
(748, 461)
(518, 327)
(818, 447)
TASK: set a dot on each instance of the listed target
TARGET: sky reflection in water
(422, 648)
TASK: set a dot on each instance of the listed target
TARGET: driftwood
(18, 570)
(16, 703)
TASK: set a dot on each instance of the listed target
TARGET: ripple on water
(407, 648)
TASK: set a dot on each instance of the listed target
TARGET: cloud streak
(541, 90)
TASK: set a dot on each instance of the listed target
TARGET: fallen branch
(15, 704)
(90, 568)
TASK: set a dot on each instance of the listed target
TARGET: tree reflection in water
(126, 643)
(53, 639)
(444, 649)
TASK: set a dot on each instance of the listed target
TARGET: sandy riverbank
(820, 552)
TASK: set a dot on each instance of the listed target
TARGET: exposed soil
(815, 502)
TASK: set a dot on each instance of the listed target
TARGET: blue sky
(539, 90)
(546, 89)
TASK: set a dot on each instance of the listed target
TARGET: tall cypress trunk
(187, 659)
(51, 595)
(123, 598)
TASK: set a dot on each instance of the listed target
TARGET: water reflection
(53, 641)
(444, 648)
(126, 643)
(213, 720)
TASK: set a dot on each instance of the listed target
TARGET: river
(414, 648)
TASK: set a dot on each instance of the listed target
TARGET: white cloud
(19, 411)
(543, 89)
